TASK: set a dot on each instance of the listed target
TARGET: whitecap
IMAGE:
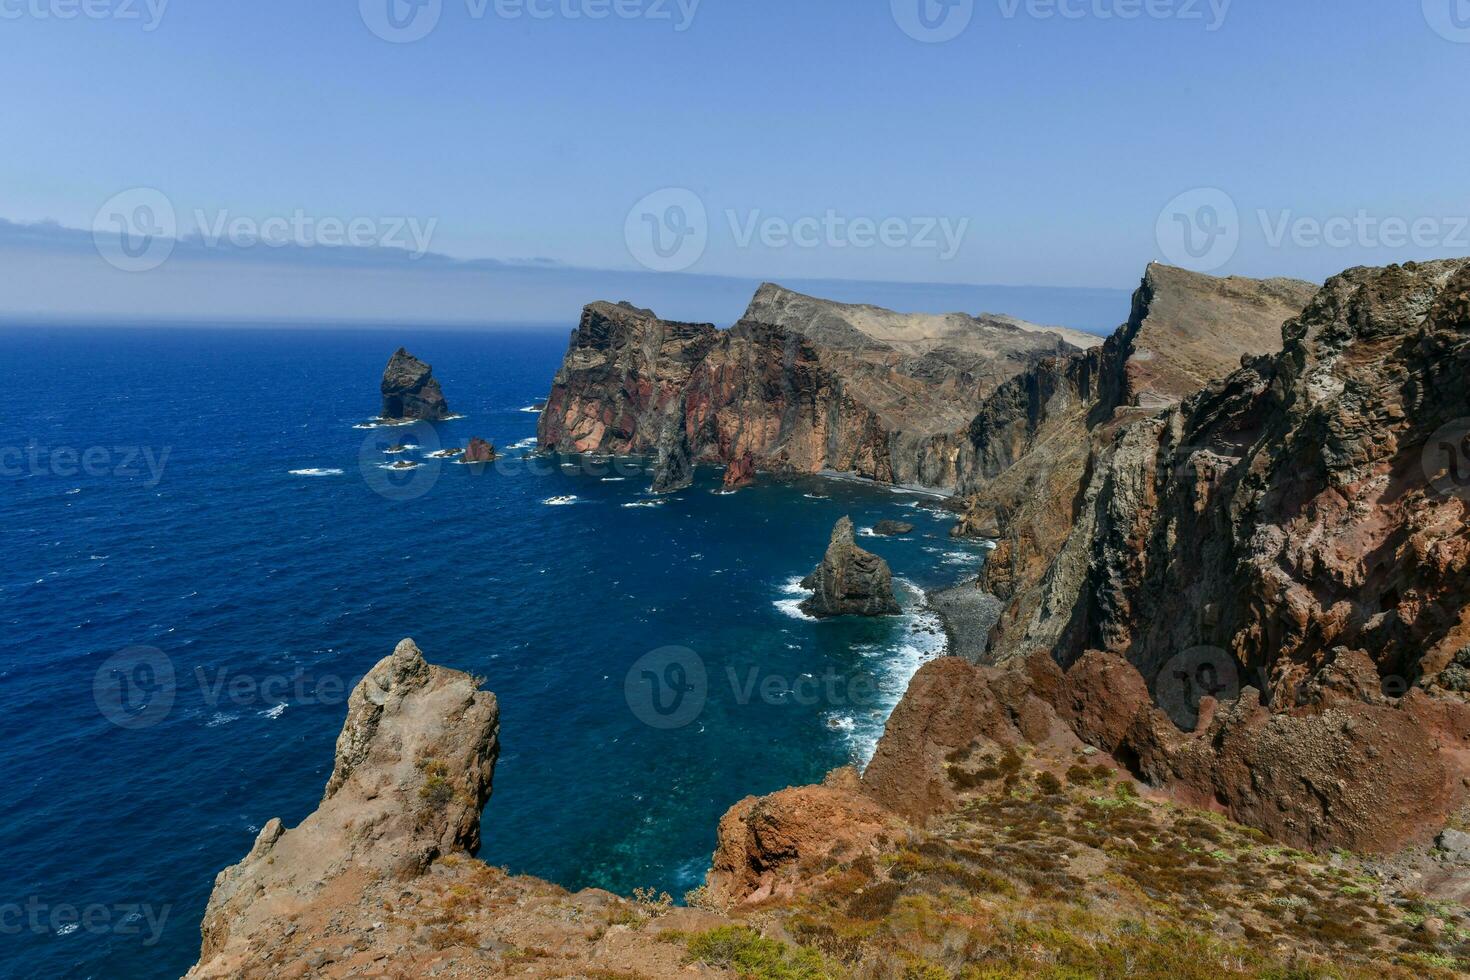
(841, 723)
(67, 929)
(74, 490)
(527, 443)
(559, 501)
(220, 718)
(613, 479)
(275, 712)
(317, 472)
(532, 409)
(795, 595)
(645, 503)
(867, 532)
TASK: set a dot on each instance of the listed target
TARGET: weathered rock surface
(479, 451)
(740, 472)
(413, 770)
(1280, 562)
(799, 385)
(410, 390)
(893, 529)
(674, 468)
(1034, 441)
(849, 581)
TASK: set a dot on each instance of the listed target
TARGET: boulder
(479, 451)
(893, 529)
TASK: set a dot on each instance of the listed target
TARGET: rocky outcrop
(410, 391)
(1035, 441)
(849, 581)
(800, 385)
(740, 472)
(479, 451)
(893, 529)
(765, 843)
(413, 770)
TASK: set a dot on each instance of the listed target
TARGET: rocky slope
(410, 390)
(1034, 441)
(799, 385)
(849, 581)
(1041, 861)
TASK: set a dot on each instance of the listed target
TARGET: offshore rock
(850, 581)
(410, 391)
(479, 451)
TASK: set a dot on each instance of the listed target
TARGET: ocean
(203, 553)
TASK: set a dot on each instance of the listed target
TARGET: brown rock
(765, 843)
(740, 472)
(479, 451)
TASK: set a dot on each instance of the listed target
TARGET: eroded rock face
(740, 472)
(674, 468)
(410, 391)
(767, 842)
(799, 385)
(1035, 441)
(849, 581)
(623, 369)
(1285, 553)
(413, 770)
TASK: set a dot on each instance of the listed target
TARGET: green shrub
(750, 954)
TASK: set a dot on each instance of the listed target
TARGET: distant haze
(52, 273)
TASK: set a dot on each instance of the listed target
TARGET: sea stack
(410, 391)
(740, 472)
(849, 581)
(479, 451)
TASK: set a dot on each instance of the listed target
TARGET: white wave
(446, 453)
(959, 558)
(403, 466)
(645, 503)
(921, 640)
(67, 929)
(317, 471)
(613, 479)
(532, 409)
(841, 723)
(867, 532)
(795, 595)
(529, 442)
(559, 501)
(816, 496)
(73, 490)
(275, 712)
(220, 718)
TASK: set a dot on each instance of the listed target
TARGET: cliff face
(1261, 602)
(800, 384)
(1035, 440)
(410, 391)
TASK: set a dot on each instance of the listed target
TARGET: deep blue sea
(200, 502)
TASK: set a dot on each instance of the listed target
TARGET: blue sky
(1053, 142)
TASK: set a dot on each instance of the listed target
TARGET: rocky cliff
(410, 390)
(1034, 441)
(798, 385)
(1034, 859)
